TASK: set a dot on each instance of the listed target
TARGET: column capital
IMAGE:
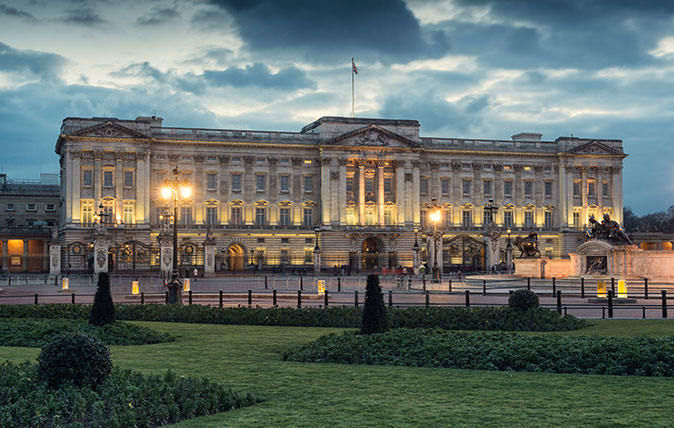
(343, 161)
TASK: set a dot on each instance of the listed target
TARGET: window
(87, 213)
(128, 217)
(447, 218)
(467, 219)
(528, 219)
(486, 187)
(50, 207)
(30, 221)
(591, 189)
(528, 186)
(388, 216)
(548, 219)
(31, 207)
(260, 216)
(211, 215)
(128, 178)
(87, 177)
(466, 187)
(423, 186)
(369, 215)
(161, 157)
(159, 213)
(507, 188)
(423, 218)
(10, 207)
(285, 240)
(350, 215)
(387, 185)
(548, 189)
(308, 256)
(260, 240)
(9, 222)
(285, 183)
(236, 183)
(308, 216)
(285, 255)
(260, 183)
(235, 216)
(605, 190)
(308, 184)
(349, 184)
(576, 188)
(107, 178)
(369, 185)
(211, 158)
(485, 217)
(444, 186)
(185, 215)
(236, 159)
(284, 216)
(211, 181)
(576, 219)
(108, 210)
(508, 219)
(308, 240)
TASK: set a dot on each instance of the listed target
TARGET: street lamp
(175, 188)
(316, 232)
(509, 252)
(490, 207)
(435, 217)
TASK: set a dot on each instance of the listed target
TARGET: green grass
(247, 359)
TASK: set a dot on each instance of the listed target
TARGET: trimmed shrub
(523, 300)
(374, 313)
(103, 310)
(75, 358)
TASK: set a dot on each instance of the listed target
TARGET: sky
(463, 68)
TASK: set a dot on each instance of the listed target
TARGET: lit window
(284, 216)
(235, 216)
(307, 161)
(128, 217)
(576, 219)
(308, 216)
(211, 215)
(87, 213)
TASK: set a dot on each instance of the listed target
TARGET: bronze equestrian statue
(528, 246)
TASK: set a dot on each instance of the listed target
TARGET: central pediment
(594, 148)
(110, 130)
(372, 136)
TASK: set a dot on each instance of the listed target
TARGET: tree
(103, 310)
(374, 313)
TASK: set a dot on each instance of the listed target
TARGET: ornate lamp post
(509, 253)
(435, 217)
(492, 251)
(415, 249)
(317, 252)
(175, 188)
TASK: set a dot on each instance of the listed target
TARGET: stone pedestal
(101, 246)
(415, 262)
(209, 259)
(166, 255)
(54, 258)
(317, 261)
(492, 247)
(509, 257)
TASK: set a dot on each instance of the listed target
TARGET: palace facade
(353, 189)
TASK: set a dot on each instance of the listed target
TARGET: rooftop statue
(607, 230)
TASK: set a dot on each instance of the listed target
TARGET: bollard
(250, 297)
(484, 287)
(56, 280)
(603, 312)
(301, 282)
(265, 282)
(72, 298)
(64, 283)
(339, 283)
(390, 298)
(554, 286)
(355, 294)
(664, 303)
(468, 298)
(9, 280)
(529, 284)
(326, 298)
(564, 310)
(424, 281)
(299, 298)
(643, 312)
(646, 288)
(428, 299)
(613, 285)
(409, 284)
(220, 299)
(142, 297)
(582, 288)
(559, 301)
(166, 295)
(189, 293)
(450, 285)
(36, 298)
(610, 304)
(273, 298)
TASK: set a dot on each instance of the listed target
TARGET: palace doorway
(235, 257)
(371, 251)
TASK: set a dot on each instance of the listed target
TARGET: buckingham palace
(355, 192)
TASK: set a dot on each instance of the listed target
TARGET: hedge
(642, 356)
(483, 318)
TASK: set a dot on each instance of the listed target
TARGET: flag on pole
(353, 67)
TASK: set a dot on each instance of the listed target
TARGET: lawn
(247, 359)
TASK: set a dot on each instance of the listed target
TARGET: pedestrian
(196, 273)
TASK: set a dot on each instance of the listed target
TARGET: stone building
(29, 212)
(353, 189)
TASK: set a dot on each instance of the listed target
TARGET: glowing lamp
(601, 289)
(622, 289)
(435, 216)
(135, 289)
(186, 284)
(321, 286)
(64, 283)
(166, 192)
(185, 192)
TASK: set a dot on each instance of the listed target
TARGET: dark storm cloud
(85, 16)
(259, 75)
(159, 16)
(327, 29)
(12, 11)
(21, 61)
(143, 69)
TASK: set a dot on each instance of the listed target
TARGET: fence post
(643, 312)
(468, 298)
(390, 298)
(265, 282)
(166, 296)
(529, 284)
(646, 288)
(484, 287)
(36, 298)
(72, 297)
(613, 285)
(424, 281)
(582, 288)
(250, 298)
(355, 294)
(610, 304)
(301, 282)
(273, 298)
(326, 298)
(142, 297)
(450, 285)
(339, 283)
(220, 298)
(299, 298)
(603, 312)
(428, 299)
(189, 293)
(664, 303)
(554, 286)
(559, 301)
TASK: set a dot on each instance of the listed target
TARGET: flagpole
(353, 103)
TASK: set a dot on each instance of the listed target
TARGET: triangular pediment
(109, 130)
(372, 136)
(594, 148)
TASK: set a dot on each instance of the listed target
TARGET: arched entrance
(235, 257)
(370, 250)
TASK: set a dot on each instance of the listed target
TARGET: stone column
(297, 191)
(617, 182)
(25, 255)
(273, 192)
(416, 201)
(249, 191)
(599, 190)
(5, 256)
(399, 166)
(76, 186)
(342, 190)
(97, 179)
(455, 194)
(326, 200)
(209, 258)
(583, 184)
(570, 197)
(54, 258)
(119, 186)
(380, 191)
(361, 192)
(563, 196)
(317, 261)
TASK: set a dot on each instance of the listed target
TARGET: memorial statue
(528, 246)
(608, 230)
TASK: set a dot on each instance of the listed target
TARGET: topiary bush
(103, 310)
(523, 300)
(374, 313)
(74, 357)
